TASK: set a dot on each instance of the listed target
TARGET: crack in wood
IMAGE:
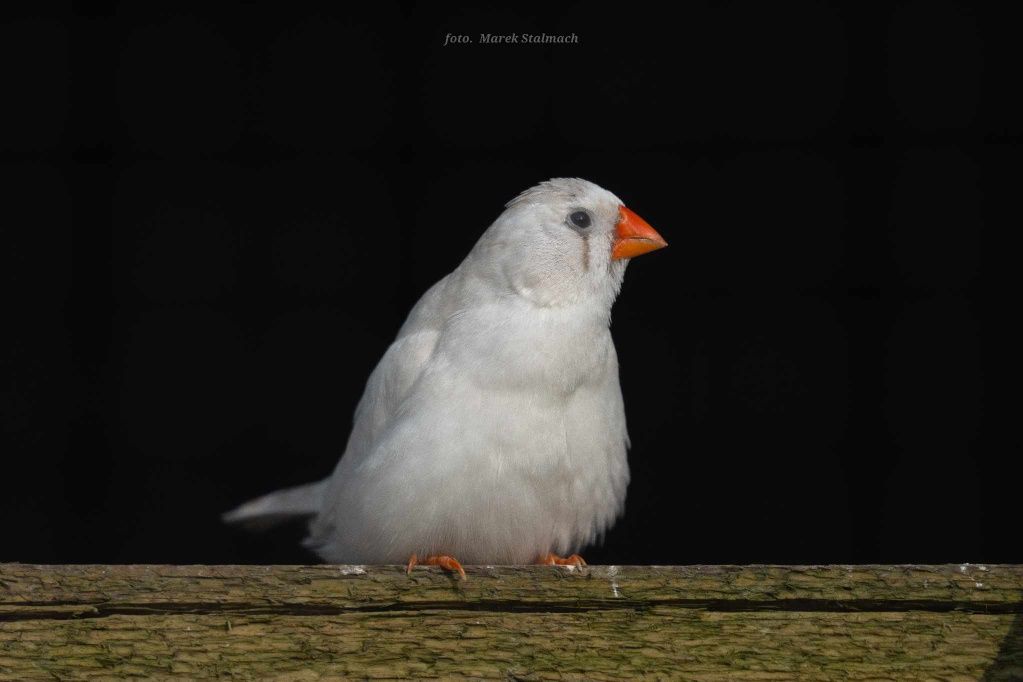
(81, 610)
(708, 623)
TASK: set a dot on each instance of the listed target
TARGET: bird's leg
(448, 563)
(551, 559)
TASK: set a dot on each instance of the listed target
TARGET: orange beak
(634, 236)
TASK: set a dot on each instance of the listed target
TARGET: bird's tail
(279, 506)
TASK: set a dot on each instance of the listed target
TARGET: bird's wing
(387, 387)
(398, 370)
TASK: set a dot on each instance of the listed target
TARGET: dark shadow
(1008, 665)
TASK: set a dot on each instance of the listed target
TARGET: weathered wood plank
(699, 622)
(75, 586)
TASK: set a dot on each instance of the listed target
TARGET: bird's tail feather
(279, 506)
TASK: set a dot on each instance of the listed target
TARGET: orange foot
(448, 563)
(555, 560)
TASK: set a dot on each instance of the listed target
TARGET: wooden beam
(602, 622)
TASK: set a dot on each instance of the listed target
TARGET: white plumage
(493, 428)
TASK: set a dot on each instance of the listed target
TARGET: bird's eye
(580, 219)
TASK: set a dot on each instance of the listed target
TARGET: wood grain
(537, 622)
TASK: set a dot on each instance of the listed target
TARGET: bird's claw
(448, 563)
(551, 559)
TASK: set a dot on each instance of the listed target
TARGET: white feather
(493, 428)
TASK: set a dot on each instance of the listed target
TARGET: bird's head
(566, 241)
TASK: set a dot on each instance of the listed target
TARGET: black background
(214, 222)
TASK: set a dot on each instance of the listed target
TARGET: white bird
(493, 428)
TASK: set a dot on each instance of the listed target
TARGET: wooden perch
(539, 622)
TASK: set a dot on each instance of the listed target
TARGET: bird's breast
(552, 350)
